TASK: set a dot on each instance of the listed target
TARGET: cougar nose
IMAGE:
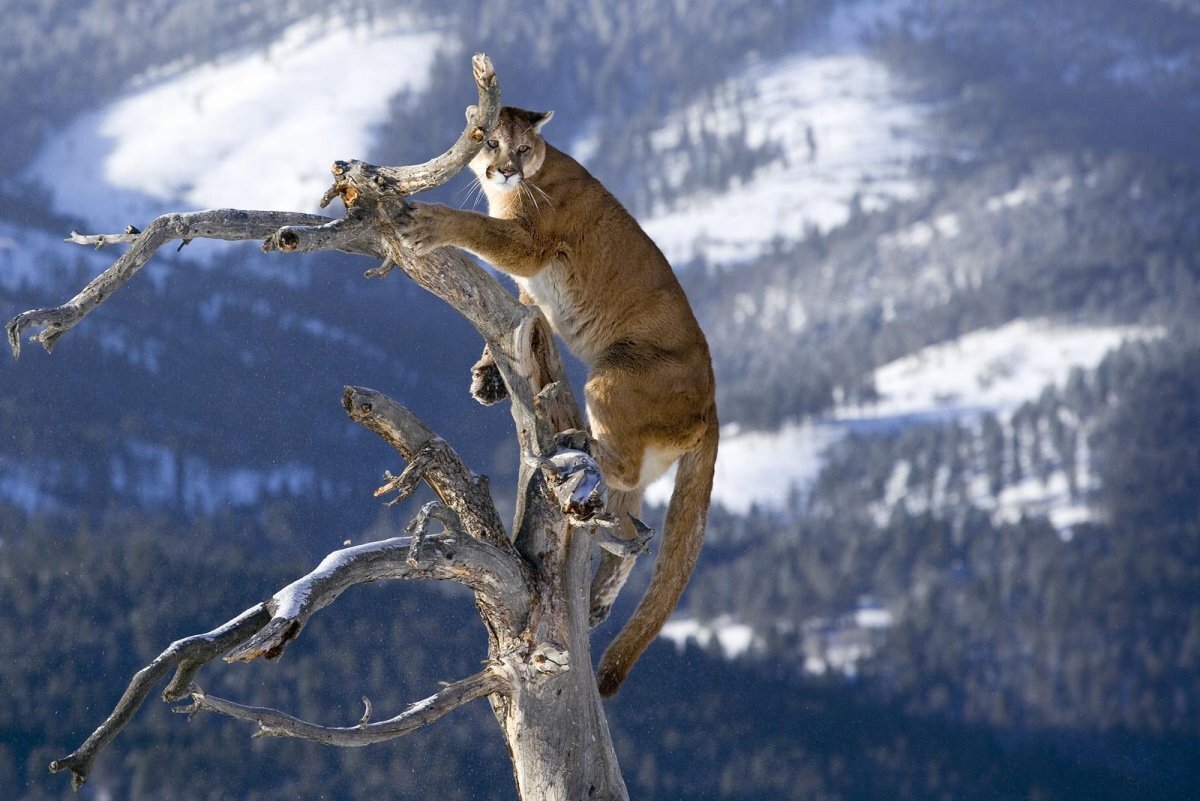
(507, 172)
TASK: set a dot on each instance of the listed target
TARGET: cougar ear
(472, 110)
(537, 119)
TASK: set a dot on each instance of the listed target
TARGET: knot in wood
(549, 659)
(288, 241)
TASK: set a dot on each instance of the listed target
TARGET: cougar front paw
(425, 228)
(487, 385)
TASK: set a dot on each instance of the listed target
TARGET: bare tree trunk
(531, 588)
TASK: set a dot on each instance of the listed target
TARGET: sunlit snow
(734, 639)
(760, 467)
(259, 130)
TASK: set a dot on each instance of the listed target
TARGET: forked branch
(265, 629)
(227, 224)
(460, 489)
(185, 657)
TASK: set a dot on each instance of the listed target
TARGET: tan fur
(610, 294)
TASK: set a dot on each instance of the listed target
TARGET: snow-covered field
(259, 130)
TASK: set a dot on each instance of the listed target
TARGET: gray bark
(531, 587)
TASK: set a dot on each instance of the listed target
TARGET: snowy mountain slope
(847, 137)
(992, 371)
(239, 131)
(257, 130)
(996, 372)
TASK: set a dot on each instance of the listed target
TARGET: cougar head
(514, 150)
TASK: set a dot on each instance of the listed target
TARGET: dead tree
(531, 588)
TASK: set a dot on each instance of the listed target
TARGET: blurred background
(947, 255)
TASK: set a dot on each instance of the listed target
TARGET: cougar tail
(682, 536)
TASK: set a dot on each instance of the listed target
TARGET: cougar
(610, 294)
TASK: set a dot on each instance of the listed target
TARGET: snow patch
(289, 601)
(838, 644)
(734, 639)
(920, 234)
(156, 477)
(757, 467)
(994, 371)
(204, 489)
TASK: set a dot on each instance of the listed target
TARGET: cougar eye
(523, 149)
(493, 143)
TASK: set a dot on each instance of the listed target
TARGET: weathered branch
(350, 234)
(273, 723)
(417, 178)
(186, 657)
(227, 224)
(265, 629)
(607, 538)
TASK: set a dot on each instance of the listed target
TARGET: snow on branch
(497, 579)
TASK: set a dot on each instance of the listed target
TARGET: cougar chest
(551, 290)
